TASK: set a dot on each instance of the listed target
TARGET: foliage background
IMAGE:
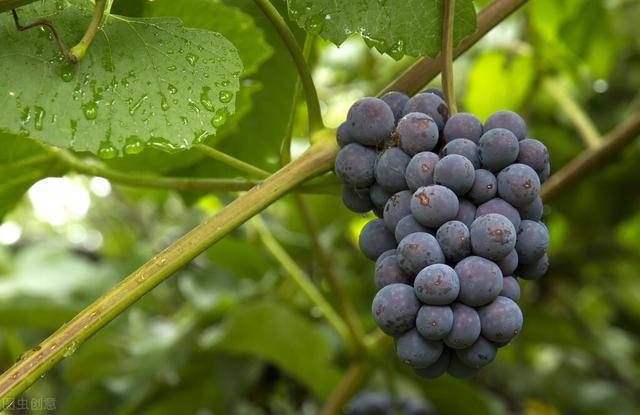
(230, 333)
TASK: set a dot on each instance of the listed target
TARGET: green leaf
(143, 81)
(232, 23)
(395, 27)
(275, 333)
(516, 74)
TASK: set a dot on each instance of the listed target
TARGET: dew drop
(172, 89)
(70, 349)
(225, 96)
(192, 58)
(90, 110)
(107, 151)
(133, 145)
(205, 100)
(38, 116)
(219, 118)
(164, 104)
(172, 68)
(137, 104)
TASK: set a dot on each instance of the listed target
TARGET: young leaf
(143, 81)
(275, 333)
(395, 27)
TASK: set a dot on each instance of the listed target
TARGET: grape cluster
(459, 219)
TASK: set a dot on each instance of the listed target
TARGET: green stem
(25, 162)
(301, 279)
(423, 71)
(313, 104)
(231, 161)
(77, 52)
(578, 117)
(446, 55)
(285, 148)
(346, 307)
(184, 184)
(34, 364)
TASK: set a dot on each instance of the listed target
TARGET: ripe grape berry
(456, 230)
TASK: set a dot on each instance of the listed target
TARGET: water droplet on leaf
(225, 96)
(107, 151)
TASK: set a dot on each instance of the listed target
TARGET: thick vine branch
(313, 104)
(613, 143)
(446, 54)
(34, 364)
(426, 69)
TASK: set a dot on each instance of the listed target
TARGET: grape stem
(278, 22)
(446, 55)
(588, 131)
(231, 161)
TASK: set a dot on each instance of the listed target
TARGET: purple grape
(535, 270)
(417, 251)
(417, 132)
(437, 284)
(532, 211)
(466, 212)
(454, 239)
(459, 370)
(408, 225)
(463, 147)
(384, 255)
(484, 188)
(463, 125)
(509, 263)
(434, 322)
(497, 149)
(396, 208)
(518, 184)
(436, 369)
(533, 241)
(466, 327)
(455, 172)
(342, 135)
(356, 200)
(396, 101)
(389, 272)
(355, 165)
(534, 154)
(390, 168)
(416, 351)
(493, 236)
(434, 205)
(370, 121)
(395, 308)
(436, 91)
(499, 206)
(510, 288)
(544, 176)
(508, 120)
(430, 104)
(369, 403)
(501, 320)
(375, 238)
(378, 195)
(420, 169)
(479, 354)
(480, 281)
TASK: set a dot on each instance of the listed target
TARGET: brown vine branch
(426, 69)
(614, 142)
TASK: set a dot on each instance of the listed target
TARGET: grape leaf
(395, 27)
(275, 333)
(143, 81)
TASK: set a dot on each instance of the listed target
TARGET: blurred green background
(232, 334)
